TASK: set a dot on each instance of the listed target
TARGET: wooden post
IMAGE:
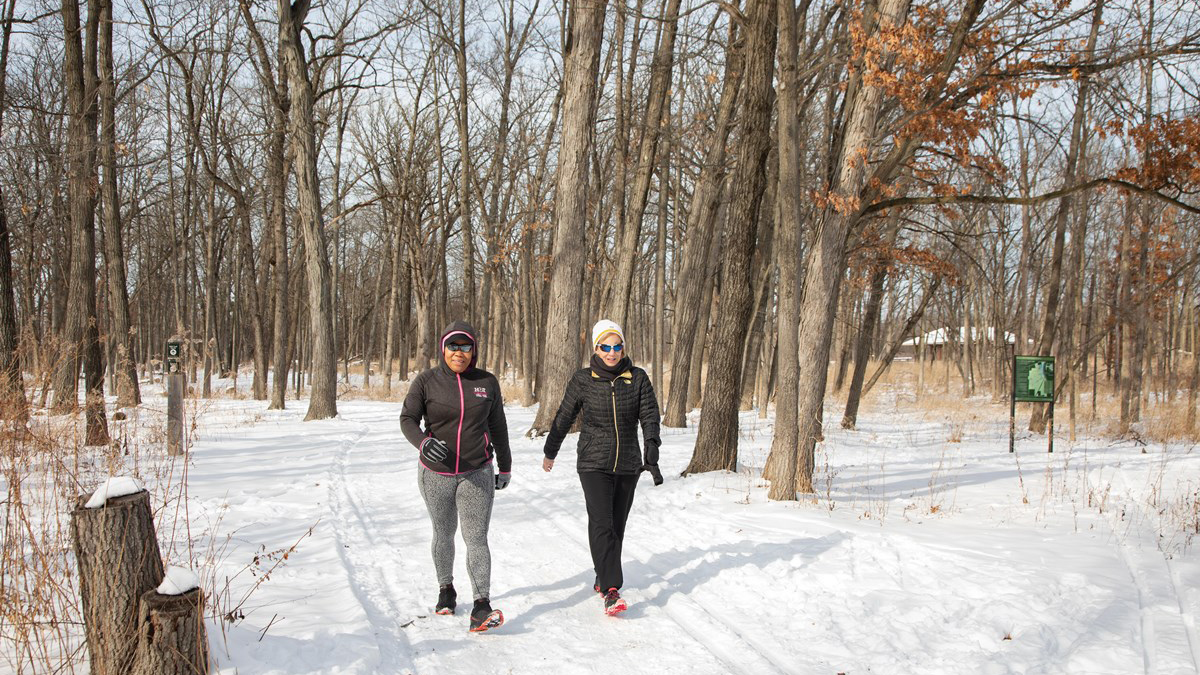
(118, 558)
(175, 413)
(171, 639)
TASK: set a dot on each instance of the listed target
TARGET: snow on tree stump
(118, 558)
(171, 636)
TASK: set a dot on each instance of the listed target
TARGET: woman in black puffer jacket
(615, 397)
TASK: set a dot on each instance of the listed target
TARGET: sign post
(174, 397)
(1033, 382)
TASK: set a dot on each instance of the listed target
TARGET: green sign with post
(1033, 379)
(1033, 382)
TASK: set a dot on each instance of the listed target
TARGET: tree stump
(117, 553)
(171, 636)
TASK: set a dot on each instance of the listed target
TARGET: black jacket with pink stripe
(466, 412)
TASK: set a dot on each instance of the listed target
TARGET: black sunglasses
(611, 348)
(460, 347)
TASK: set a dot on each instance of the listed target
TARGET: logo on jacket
(481, 392)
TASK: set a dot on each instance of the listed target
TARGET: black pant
(609, 498)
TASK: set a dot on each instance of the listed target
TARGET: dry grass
(44, 468)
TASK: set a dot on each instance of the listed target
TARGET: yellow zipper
(617, 431)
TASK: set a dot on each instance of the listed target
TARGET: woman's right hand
(547, 464)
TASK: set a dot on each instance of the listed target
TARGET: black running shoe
(614, 604)
(483, 617)
(447, 598)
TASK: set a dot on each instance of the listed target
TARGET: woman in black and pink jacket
(464, 429)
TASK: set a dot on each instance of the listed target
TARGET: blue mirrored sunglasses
(459, 347)
(611, 348)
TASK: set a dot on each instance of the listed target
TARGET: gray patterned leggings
(465, 498)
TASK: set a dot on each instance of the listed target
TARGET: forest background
(755, 191)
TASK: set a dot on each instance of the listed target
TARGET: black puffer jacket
(612, 411)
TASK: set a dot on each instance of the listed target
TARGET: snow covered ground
(922, 553)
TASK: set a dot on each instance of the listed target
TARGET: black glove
(502, 480)
(654, 473)
(434, 451)
(651, 453)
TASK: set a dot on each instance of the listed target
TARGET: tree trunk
(118, 557)
(656, 105)
(862, 345)
(781, 465)
(13, 405)
(1046, 341)
(466, 167)
(171, 639)
(826, 259)
(563, 327)
(693, 277)
(81, 335)
(322, 402)
(716, 441)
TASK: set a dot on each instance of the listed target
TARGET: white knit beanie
(604, 327)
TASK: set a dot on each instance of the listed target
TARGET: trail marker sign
(1033, 382)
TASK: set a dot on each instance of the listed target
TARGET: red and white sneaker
(614, 604)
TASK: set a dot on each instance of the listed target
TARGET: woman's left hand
(547, 464)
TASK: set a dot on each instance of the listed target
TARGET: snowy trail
(919, 557)
(551, 611)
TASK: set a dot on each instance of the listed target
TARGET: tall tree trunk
(322, 402)
(826, 259)
(128, 393)
(1046, 341)
(1138, 311)
(656, 106)
(13, 405)
(466, 167)
(277, 172)
(716, 441)
(563, 328)
(81, 336)
(862, 345)
(780, 468)
(692, 279)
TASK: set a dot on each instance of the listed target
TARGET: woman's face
(457, 354)
(615, 352)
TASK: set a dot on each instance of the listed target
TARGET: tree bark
(716, 441)
(322, 402)
(128, 393)
(171, 638)
(826, 259)
(656, 105)
(13, 405)
(81, 336)
(692, 279)
(563, 321)
(118, 557)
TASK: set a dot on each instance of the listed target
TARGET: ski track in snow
(353, 527)
(735, 650)
(1162, 607)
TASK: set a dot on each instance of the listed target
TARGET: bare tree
(322, 401)
(561, 348)
(81, 334)
(716, 442)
